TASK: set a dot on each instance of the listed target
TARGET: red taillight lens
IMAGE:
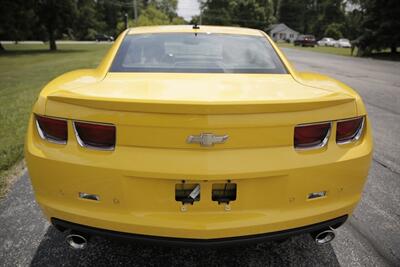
(349, 130)
(311, 136)
(98, 136)
(53, 130)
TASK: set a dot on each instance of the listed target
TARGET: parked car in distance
(343, 43)
(104, 37)
(305, 40)
(326, 41)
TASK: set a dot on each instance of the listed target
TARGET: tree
(86, 23)
(380, 26)
(6, 20)
(334, 31)
(291, 13)
(108, 15)
(152, 15)
(275, 7)
(16, 20)
(311, 16)
(246, 13)
(216, 12)
(168, 7)
(249, 13)
(353, 20)
(57, 17)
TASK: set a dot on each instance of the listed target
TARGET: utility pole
(126, 20)
(135, 10)
(201, 12)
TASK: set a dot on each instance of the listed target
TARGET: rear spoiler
(195, 107)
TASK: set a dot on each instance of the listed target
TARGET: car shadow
(299, 251)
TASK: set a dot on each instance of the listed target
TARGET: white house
(281, 32)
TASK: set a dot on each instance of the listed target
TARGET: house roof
(276, 28)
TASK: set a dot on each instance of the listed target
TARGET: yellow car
(197, 135)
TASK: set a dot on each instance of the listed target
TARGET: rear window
(201, 53)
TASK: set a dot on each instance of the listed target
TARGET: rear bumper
(136, 187)
(241, 240)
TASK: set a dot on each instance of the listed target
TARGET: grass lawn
(24, 70)
(321, 49)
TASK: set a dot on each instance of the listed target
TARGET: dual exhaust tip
(324, 236)
(79, 241)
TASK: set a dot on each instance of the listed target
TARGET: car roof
(189, 28)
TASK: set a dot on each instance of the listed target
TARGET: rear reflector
(52, 130)
(96, 136)
(311, 136)
(349, 130)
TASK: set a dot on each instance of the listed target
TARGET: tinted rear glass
(202, 53)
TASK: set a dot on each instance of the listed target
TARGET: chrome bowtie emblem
(207, 139)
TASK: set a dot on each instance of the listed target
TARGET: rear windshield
(201, 53)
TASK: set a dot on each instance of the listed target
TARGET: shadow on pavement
(297, 251)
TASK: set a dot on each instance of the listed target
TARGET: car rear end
(200, 157)
(309, 40)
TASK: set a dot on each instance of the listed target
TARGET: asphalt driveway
(371, 237)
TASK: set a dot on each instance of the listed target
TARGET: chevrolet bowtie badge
(207, 139)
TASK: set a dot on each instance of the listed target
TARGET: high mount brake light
(95, 136)
(311, 136)
(350, 130)
(51, 129)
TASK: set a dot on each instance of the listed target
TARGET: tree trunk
(360, 51)
(52, 39)
(53, 45)
(393, 49)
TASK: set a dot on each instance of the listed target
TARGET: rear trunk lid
(201, 94)
(163, 110)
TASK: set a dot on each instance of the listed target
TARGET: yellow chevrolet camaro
(197, 135)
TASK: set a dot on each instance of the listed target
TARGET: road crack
(385, 166)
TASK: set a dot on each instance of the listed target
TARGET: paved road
(372, 235)
(370, 238)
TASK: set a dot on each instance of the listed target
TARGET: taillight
(311, 136)
(52, 130)
(96, 136)
(349, 130)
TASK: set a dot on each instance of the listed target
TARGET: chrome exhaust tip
(77, 241)
(324, 236)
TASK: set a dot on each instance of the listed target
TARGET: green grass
(321, 49)
(24, 70)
